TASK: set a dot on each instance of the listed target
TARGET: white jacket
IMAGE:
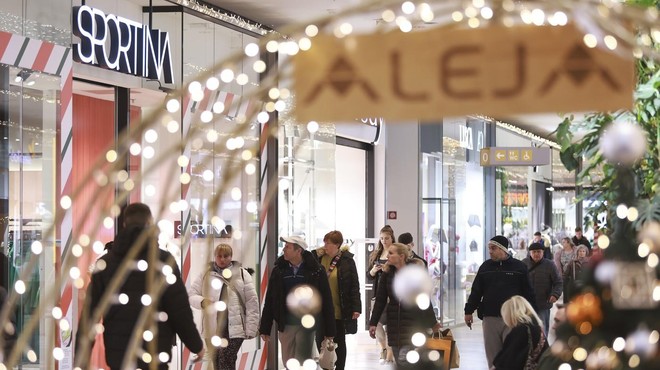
(243, 320)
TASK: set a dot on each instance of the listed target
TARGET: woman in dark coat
(377, 260)
(526, 341)
(345, 287)
(402, 321)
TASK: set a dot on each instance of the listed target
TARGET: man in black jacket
(498, 279)
(297, 266)
(546, 281)
(580, 239)
(172, 315)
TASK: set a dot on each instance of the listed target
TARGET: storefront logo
(120, 44)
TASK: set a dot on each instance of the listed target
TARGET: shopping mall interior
(239, 122)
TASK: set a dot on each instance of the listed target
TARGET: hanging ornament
(304, 300)
(605, 272)
(585, 308)
(623, 142)
(632, 286)
(412, 285)
(639, 343)
(650, 234)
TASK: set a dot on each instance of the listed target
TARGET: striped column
(44, 57)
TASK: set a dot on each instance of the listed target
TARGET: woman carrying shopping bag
(402, 320)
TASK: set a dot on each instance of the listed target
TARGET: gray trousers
(297, 342)
(494, 331)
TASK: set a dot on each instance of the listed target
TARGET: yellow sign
(520, 156)
(432, 74)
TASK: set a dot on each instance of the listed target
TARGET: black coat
(402, 321)
(349, 287)
(545, 280)
(515, 349)
(275, 301)
(497, 281)
(120, 319)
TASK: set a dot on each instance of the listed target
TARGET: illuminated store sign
(120, 44)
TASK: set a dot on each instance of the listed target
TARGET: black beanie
(501, 242)
(536, 247)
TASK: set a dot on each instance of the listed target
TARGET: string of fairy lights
(604, 23)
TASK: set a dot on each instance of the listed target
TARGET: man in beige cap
(296, 266)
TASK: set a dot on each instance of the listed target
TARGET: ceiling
(278, 13)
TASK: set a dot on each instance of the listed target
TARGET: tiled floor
(363, 351)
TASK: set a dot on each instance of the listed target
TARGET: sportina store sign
(120, 44)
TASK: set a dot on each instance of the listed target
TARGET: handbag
(447, 345)
(534, 355)
(327, 356)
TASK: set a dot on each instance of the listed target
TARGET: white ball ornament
(605, 272)
(638, 343)
(623, 142)
(411, 282)
(304, 300)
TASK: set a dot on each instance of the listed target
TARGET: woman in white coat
(225, 329)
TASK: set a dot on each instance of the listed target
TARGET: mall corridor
(363, 351)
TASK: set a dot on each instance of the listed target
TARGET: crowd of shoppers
(513, 299)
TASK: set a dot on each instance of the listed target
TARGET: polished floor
(363, 351)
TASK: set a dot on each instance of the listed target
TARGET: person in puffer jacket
(225, 281)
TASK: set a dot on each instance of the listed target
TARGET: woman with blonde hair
(525, 342)
(225, 280)
(377, 260)
(402, 321)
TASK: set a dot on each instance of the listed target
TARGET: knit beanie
(536, 247)
(501, 242)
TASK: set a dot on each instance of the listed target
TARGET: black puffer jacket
(545, 280)
(402, 321)
(497, 281)
(515, 350)
(120, 319)
(349, 285)
(275, 301)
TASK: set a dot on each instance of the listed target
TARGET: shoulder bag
(534, 354)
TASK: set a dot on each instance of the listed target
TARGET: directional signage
(522, 156)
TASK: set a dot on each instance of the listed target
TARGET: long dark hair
(375, 254)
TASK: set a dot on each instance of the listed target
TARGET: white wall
(401, 193)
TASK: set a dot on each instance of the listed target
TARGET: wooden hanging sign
(496, 71)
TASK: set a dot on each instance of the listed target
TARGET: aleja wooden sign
(495, 71)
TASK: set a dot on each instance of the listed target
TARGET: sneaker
(383, 355)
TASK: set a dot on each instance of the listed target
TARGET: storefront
(453, 209)
(60, 115)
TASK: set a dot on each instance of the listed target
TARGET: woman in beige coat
(226, 295)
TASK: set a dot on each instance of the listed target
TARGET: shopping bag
(455, 355)
(327, 355)
(446, 344)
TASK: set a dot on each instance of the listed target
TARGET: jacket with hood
(275, 308)
(243, 308)
(497, 281)
(119, 320)
(349, 285)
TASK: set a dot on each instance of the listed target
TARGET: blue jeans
(544, 315)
